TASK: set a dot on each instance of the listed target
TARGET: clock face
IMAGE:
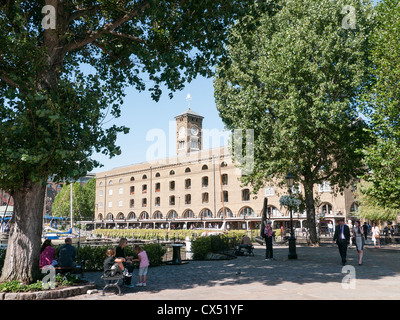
(182, 131)
(194, 131)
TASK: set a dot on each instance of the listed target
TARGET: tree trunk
(310, 208)
(23, 250)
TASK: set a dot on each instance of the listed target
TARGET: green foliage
(201, 247)
(382, 107)
(368, 206)
(53, 113)
(16, 286)
(94, 256)
(161, 234)
(294, 75)
(83, 200)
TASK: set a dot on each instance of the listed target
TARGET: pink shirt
(47, 256)
(144, 260)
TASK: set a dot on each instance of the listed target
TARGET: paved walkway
(316, 274)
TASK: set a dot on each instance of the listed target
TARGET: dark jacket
(66, 256)
(346, 232)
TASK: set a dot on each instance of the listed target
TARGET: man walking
(268, 241)
(342, 239)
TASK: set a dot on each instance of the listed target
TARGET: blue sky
(141, 114)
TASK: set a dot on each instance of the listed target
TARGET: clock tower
(188, 131)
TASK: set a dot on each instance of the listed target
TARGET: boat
(58, 237)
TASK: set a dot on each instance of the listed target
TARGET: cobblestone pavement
(316, 274)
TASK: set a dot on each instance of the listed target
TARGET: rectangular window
(325, 187)
(188, 199)
(144, 202)
(269, 191)
(224, 179)
(225, 196)
(204, 197)
(246, 195)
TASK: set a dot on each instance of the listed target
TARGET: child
(113, 266)
(143, 266)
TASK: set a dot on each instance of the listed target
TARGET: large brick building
(194, 188)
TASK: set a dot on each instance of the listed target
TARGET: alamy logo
(349, 20)
(49, 280)
(349, 280)
(49, 20)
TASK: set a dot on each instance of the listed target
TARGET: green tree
(52, 113)
(83, 200)
(293, 76)
(383, 107)
(368, 207)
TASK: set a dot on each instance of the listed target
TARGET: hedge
(94, 256)
(154, 234)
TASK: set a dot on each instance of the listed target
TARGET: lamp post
(292, 238)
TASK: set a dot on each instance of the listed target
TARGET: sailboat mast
(71, 205)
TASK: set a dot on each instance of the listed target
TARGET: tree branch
(94, 35)
(7, 80)
(127, 36)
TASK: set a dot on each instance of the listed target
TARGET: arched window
(172, 214)
(121, 180)
(189, 214)
(110, 182)
(325, 208)
(157, 215)
(144, 177)
(144, 215)
(273, 212)
(228, 213)
(157, 174)
(110, 216)
(204, 167)
(131, 216)
(223, 164)
(120, 216)
(172, 172)
(187, 170)
(132, 179)
(100, 217)
(206, 213)
(246, 211)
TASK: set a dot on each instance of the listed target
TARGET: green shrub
(211, 244)
(200, 247)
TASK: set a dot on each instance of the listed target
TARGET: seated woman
(47, 254)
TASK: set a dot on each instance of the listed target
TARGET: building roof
(191, 113)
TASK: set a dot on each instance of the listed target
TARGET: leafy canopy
(294, 75)
(382, 107)
(52, 112)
